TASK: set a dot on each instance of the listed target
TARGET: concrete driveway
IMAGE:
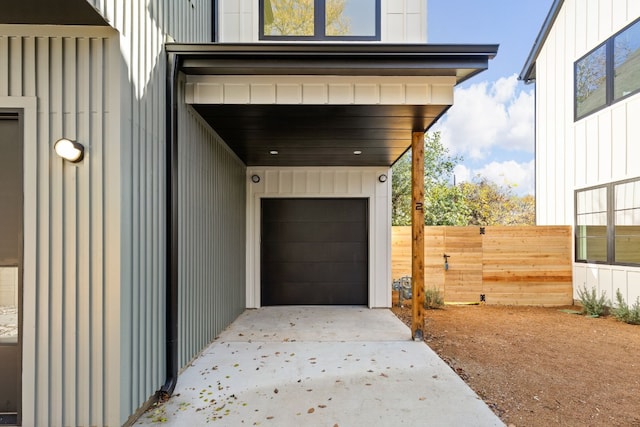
(320, 366)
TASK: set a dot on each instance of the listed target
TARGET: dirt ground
(538, 366)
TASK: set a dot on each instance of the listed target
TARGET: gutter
(171, 307)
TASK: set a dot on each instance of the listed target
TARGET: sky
(491, 124)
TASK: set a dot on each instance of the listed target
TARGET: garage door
(314, 252)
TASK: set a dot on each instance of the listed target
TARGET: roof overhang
(49, 12)
(323, 131)
(528, 73)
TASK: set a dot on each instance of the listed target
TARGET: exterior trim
(461, 61)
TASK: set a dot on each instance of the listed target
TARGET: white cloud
(486, 116)
(518, 175)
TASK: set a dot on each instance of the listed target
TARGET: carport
(295, 107)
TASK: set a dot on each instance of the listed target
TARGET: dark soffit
(325, 135)
(49, 12)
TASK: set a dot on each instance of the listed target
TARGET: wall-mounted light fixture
(69, 150)
(382, 178)
(255, 178)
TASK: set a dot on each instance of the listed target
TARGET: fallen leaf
(275, 391)
(310, 411)
(322, 406)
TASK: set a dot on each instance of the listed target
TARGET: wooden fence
(508, 265)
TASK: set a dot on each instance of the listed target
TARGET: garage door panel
(314, 251)
(313, 232)
(314, 272)
(318, 252)
(310, 210)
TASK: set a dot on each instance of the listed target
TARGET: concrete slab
(320, 366)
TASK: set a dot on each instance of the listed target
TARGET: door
(314, 252)
(11, 214)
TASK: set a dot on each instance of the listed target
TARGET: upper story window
(327, 20)
(608, 223)
(608, 73)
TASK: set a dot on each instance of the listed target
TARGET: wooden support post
(417, 227)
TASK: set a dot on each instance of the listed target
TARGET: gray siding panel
(94, 338)
(212, 234)
(64, 370)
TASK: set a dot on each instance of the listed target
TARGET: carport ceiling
(325, 135)
(321, 135)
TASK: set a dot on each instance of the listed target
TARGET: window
(320, 19)
(627, 222)
(608, 73)
(591, 78)
(626, 62)
(608, 223)
(591, 225)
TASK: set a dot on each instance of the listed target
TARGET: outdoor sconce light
(69, 150)
(255, 178)
(382, 178)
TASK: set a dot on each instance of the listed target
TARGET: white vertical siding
(71, 292)
(402, 21)
(600, 148)
(139, 21)
(325, 182)
(211, 215)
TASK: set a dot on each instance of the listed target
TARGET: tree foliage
(480, 202)
(438, 171)
(492, 204)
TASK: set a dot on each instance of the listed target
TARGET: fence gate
(530, 265)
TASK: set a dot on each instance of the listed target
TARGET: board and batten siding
(211, 199)
(143, 27)
(71, 302)
(325, 182)
(144, 24)
(600, 148)
(94, 300)
(402, 21)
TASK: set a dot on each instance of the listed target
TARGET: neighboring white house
(586, 68)
(213, 177)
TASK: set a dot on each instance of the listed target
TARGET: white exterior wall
(327, 182)
(402, 21)
(597, 149)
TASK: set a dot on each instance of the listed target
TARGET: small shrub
(624, 313)
(433, 298)
(592, 305)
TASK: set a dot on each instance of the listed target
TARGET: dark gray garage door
(314, 252)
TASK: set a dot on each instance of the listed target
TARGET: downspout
(171, 307)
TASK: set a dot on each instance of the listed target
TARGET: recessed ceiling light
(273, 152)
(357, 152)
